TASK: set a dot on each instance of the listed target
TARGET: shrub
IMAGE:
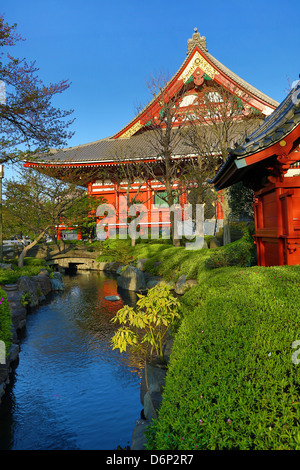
(34, 262)
(231, 381)
(25, 299)
(235, 254)
(5, 321)
(149, 324)
(148, 250)
(207, 238)
(172, 262)
(116, 250)
(238, 253)
(11, 276)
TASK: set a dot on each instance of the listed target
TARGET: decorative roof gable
(197, 67)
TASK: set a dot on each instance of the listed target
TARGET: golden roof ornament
(197, 40)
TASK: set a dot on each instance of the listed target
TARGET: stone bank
(26, 293)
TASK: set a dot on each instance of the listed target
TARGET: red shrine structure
(269, 163)
(84, 164)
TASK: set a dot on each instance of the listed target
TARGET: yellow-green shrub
(148, 323)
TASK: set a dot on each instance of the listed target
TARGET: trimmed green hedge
(231, 382)
(170, 262)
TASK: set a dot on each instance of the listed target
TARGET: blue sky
(108, 50)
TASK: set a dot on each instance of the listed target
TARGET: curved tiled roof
(110, 150)
(137, 145)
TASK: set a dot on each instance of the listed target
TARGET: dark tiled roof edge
(279, 124)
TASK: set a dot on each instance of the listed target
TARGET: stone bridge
(68, 258)
(71, 262)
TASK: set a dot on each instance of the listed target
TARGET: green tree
(28, 120)
(34, 205)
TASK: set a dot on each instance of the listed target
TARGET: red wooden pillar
(219, 211)
(261, 254)
(281, 257)
(287, 226)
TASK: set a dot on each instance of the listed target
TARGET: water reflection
(70, 390)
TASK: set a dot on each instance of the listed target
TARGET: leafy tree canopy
(35, 204)
(28, 120)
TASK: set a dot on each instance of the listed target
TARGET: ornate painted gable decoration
(199, 67)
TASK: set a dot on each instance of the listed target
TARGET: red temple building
(269, 163)
(86, 164)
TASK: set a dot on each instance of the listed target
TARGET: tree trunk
(226, 221)
(174, 230)
(23, 254)
(170, 199)
(27, 248)
(53, 234)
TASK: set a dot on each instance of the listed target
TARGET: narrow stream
(71, 390)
